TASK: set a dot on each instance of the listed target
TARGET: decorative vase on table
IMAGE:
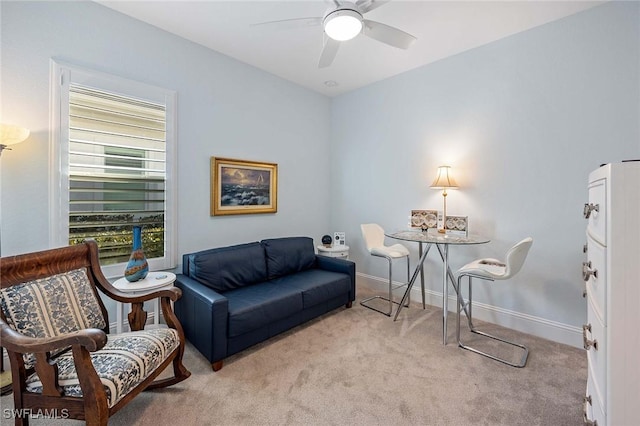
(137, 267)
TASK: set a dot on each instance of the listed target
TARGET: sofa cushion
(317, 285)
(288, 255)
(227, 268)
(254, 307)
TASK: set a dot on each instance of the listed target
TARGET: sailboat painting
(243, 187)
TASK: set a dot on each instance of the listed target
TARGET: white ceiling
(442, 28)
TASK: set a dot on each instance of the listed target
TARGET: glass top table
(442, 242)
(424, 237)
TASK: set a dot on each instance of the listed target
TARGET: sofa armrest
(203, 313)
(335, 264)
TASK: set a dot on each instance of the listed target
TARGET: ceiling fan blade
(289, 24)
(329, 51)
(388, 35)
(367, 5)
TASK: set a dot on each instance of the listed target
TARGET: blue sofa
(234, 297)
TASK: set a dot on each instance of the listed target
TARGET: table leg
(453, 281)
(119, 308)
(156, 315)
(137, 317)
(412, 281)
(445, 289)
(444, 254)
(424, 306)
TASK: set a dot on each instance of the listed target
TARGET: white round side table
(153, 281)
(334, 251)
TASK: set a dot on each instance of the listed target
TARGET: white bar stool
(373, 235)
(492, 270)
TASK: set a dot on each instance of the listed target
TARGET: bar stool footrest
(523, 360)
(387, 313)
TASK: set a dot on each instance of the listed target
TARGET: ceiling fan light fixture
(343, 24)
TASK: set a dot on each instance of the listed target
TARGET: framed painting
(424, 219)
(457, 225)
(243, 187)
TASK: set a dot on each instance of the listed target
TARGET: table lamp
(444, 181)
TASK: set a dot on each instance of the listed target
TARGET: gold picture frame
(243, 187)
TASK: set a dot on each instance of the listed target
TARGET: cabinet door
(596, 210)
(595, 270)
(596, 341)
(593, 409)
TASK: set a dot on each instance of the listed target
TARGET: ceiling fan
(344, 21)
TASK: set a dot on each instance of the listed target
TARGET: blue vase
(137, 267)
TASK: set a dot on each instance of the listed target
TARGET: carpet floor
(358, 367)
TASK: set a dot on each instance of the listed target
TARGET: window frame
(61, 76)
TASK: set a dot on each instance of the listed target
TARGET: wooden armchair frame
(93, 406)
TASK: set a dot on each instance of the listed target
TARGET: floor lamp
(9, 135)
(444, 180)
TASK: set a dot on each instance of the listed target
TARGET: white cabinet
(612, 275)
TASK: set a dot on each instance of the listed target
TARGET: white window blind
(113, 166)
(117, 172)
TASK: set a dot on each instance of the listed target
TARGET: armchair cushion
(52, 306)
(124, 362)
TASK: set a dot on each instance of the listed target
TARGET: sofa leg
(349, 304)
(217, 365)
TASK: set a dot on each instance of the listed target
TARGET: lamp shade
(444, 179)
(343, 24)
(11, 135)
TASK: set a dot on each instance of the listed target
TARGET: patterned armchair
(55, 328)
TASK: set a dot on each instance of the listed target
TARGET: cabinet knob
(586, 343)
(588, 208)
(587, 272)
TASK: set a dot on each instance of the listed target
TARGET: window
(113, 168)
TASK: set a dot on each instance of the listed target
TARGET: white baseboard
(541, 327)
(113, 326)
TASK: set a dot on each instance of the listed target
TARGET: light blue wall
(522, 121)
(225, 108)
